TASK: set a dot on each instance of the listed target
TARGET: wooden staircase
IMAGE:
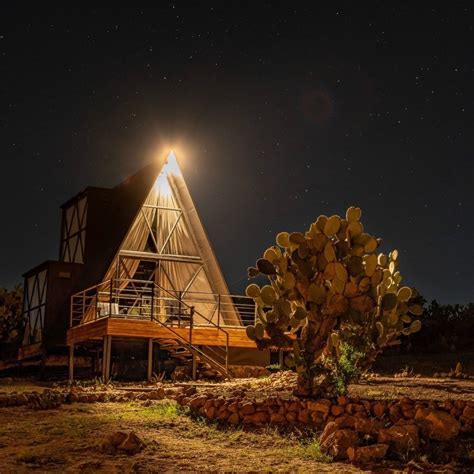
(208, 357)
(182, 347)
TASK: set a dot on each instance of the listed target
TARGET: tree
(11, 318)
(330, 295)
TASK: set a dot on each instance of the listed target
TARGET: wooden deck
(208, 336)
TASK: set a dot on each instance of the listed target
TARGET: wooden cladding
(73, 233)
(34, 307)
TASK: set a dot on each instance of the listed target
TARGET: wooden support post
(194, 373)
(71, 362)
(106, 356)
(150, 360)
(280, 358)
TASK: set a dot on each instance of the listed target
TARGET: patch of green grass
(309, 449)
(133, 411)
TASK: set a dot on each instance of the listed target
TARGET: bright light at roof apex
(172, 166)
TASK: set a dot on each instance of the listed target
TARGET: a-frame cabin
(137, 276)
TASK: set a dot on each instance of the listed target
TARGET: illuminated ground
(68, 439)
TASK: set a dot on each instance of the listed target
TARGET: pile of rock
(247, 371)
(50, 399)
(456, 373)
(46, 400)
(353, 429)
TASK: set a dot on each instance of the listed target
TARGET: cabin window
(73, 235)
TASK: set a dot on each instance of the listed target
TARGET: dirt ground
(68, 440)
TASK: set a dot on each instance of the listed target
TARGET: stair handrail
(194, 348)
(194, 311)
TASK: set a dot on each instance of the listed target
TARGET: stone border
(360, 430)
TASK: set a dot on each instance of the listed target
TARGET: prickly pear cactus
(326, 287)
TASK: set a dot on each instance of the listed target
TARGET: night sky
(276, 114)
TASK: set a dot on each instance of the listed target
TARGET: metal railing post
(191, 318)
(83, 304)
(110, 296)
(96, 304)
(227, 352)
(71, 310)
(218, 310)
(179, 308)
(152, 302)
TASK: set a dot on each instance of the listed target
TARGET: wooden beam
(71, 362)
(194, 371)
(150, 360)
(153, 257)
(106, 356)
(202, 335)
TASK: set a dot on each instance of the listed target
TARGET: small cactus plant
(328, 287)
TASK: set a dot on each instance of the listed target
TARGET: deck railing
(143, 299)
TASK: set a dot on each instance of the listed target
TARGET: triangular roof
(157, 221)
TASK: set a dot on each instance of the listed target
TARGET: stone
(345, 421)
(223, 415)
(233, 419)
(180, 399)
(394, 413)
(408, 413)
(401, 439)
(21, 399)
(437, 424)
(338, 442)
(257, 418)
(113, 441)
(337, 410)
(342, 400)
(329, 429)
(368, 426)
(190, 391)
(456, 412)
(323, 405)
(210, 411)
(460, 404)
(197, 402)
(366, 454)
(294, 406)
(303, 416)
(277, 418)
(317, 418)
(468, 412)
(218, 402)
(379, 409)
(247, 409)
(132, 444)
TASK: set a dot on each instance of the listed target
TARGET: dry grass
(67, 439)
